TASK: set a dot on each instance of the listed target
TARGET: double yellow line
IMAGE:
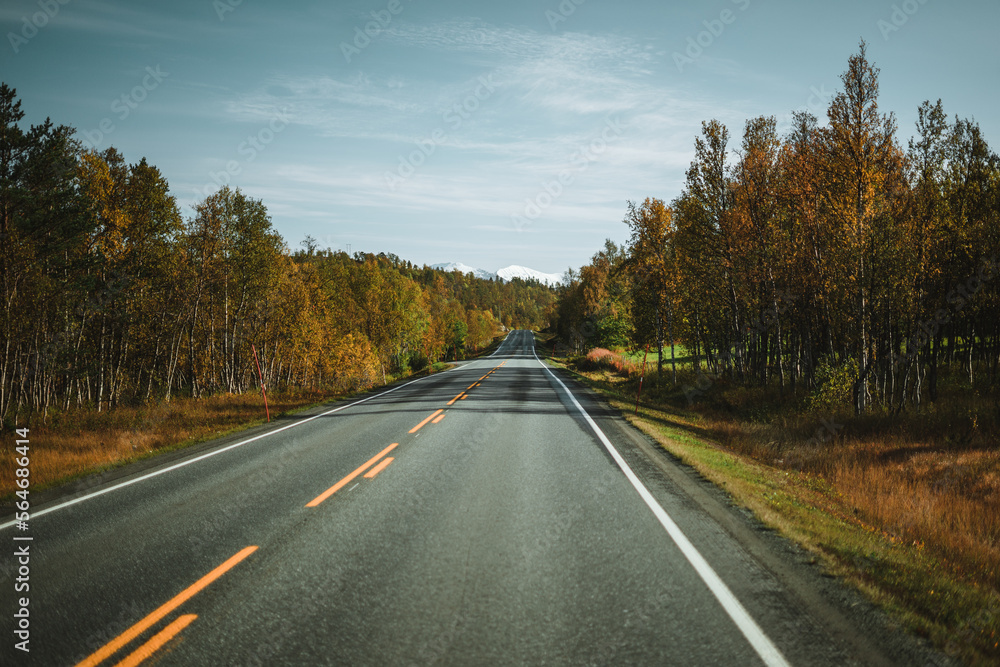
(373, 466)
(437, 415)
(342, 483)
(167, 633)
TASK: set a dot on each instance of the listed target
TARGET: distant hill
(507, 273)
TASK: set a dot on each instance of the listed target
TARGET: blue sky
(483, 132)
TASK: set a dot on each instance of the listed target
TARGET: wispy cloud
(552, 88)
(554, 94)
(92, 16)
(474, 36)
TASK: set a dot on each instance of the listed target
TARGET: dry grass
(907, 508)
(78, 442)
(948, 501)
(913, 490)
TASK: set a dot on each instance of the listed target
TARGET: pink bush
(601, 359)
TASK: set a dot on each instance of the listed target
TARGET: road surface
(493, 514)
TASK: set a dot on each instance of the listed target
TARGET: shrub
(418, 361)
(602, 359)
(834, 384)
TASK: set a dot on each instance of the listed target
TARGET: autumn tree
(824, 255)
(862, 173)
(651, 265)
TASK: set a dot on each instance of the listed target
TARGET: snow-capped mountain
(506, 273)
(464, 268)
(524, 273)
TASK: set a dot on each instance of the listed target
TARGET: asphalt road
(491, 514)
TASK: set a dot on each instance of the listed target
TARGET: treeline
(111, 297)
(831, 256)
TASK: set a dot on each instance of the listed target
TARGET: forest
(111, 297)
(831, 260)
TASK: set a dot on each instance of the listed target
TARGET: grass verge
(907, 510)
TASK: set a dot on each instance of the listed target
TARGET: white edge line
(764, 647)
(210, 454)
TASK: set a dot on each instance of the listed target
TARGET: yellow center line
(449, 403)
(438, 418)
(464, 396)
(124, 638)
(339, 485)
(433, 415)
(158, 640)
(379, 468)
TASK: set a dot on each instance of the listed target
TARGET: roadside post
(267, 410)
(641, 376)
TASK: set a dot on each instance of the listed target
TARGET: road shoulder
(866, 633)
